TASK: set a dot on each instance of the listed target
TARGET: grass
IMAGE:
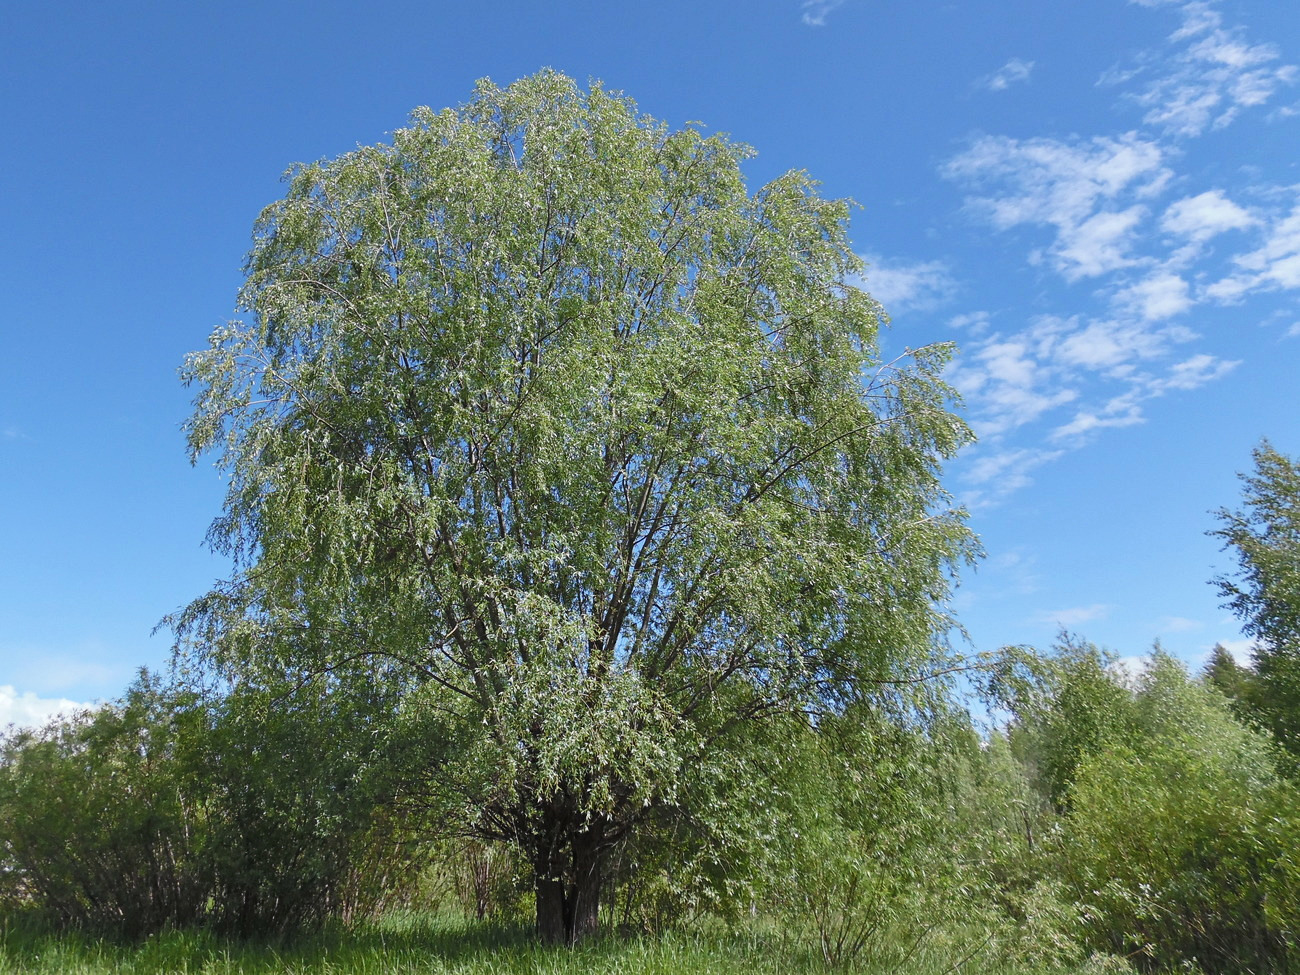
(441, 945)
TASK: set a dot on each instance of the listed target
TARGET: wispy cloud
(815, 11)
(1086, 191)
(1274, 265)
(1070, 378)
(1193, 373)
(993, 476)
(1120, 216)
(1007, 383)
(1206, 76)
(897, 284)
(1013, 379)
(1119, 411)
(1073, 616)
(1015, 71)
(1179, 624)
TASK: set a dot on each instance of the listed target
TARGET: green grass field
(439, 944)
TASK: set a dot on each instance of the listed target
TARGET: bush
(262, 811)
(1180, 846)
(98, 825)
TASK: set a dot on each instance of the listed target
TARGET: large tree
(1264, 536)
(543, 417)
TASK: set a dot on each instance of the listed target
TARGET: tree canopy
(541, 417)
(1265, 592)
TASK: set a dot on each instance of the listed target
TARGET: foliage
(1067, 707)
(866, 874)
(909, 839)
(1265, 593)
(1001, 831)
(1233, 681)
(1173, 831)
(1179, 845)
(589, 452)
(300, 828)
(97, 820)
(485, 878)
(254, 813)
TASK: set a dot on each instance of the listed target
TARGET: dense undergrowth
(1114, 824)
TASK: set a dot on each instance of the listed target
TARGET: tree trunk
(551, 926)
(568, 884)
(588, 879)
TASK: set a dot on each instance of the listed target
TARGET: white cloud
(975, 322)
(1111, 346)
(1013, 72)
(899, 285)
(1158, 296)
(815, 11)
(1070, 186)
(1205, 215)
(1274, 265)
(1008, 406)
(1212, 74)
(1282, 245)
(28, 710)
(1099, 244)
(1051, 181)
(1231, 288)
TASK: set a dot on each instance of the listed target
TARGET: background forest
(591, 579)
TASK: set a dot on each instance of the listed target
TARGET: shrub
(1179, 847)
(261, 811)
(98, 824)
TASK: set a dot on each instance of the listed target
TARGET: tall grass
(442, 945)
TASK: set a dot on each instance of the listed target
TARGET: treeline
(1145, 818)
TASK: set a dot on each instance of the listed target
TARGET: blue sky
(1098, 200)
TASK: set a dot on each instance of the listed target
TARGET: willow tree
(542, 415)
